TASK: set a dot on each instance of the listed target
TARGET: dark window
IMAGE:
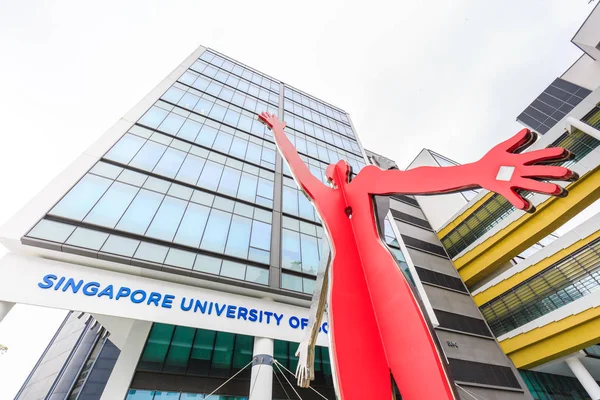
(462, 323)
(444, 280)
(405, 199)
(425, 246)
(410, 219)
(487, 374)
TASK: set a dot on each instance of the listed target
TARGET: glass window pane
(207, 136)
(208, 264)
(290, 201)
(229, 181)
(218, 226)
(120, 245)
(112, 205)
(291, 282)
(151, 252)
(223, 351)
(180, 349)
(153, 117)
(239, 237)
(157, 346)
(124, 150)
(148, 156)
(180, 258)
(50, 230)
(172, 123)
(189, 130)
(310, 254)
(166, 221)
(257, 275)
(261, 235)
(192, 225)
(78, 202)
(141, 211)
(211, 174)
(87, 238)
(170, 162)
(290, 250)
(233, 270)
(247, 188)
(191, 169)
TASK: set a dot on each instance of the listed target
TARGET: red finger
(551, 154)
(547, 172)
(517, 200)
(539, 187)
(518, 142)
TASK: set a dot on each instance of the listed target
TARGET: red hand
(503, 170)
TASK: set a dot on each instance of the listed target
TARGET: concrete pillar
(5, 307)
(122, 374)
(261, 379)
(587, 381)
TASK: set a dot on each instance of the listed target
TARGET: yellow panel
(509, 283)
(554, 340)
(445, 230)
(527, 230)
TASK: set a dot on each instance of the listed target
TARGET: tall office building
(537, 290)
(182, 233)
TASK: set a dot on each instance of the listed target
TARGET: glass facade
(556, 101)
(204, 353)
(544, 386)
(497, 208)
(135, 394)
(571, 278)
(191, 186)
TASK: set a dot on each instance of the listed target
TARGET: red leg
(362, 370)
(411, 352)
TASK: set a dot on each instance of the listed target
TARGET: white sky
(449, 75)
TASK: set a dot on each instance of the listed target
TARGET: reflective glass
(112, 205)
(166, 221)
(239, 237)
(81, 198)
(141, 211)
(192, 225)
(50, 230)
(218, 226)
(87, 238)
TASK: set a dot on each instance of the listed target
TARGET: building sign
(49, 283)
(165, 300)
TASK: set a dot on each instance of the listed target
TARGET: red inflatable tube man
(376, 324)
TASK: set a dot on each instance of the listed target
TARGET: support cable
(287, 380)
(310, 387)
(227, 381)
(281, 384)
(469, 393)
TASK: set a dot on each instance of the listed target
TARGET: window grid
(207, 133)
(195, 92)
(497, 208)
(236, 82)
(318, 119)
(240, 70)
(126, 247)
(196, 352)
(123, 200)
(137, 394)
(217, 110)
(316, 105)
(543, 386)
(308, 127)
(301, 141)
(192, 165)
(571, 278)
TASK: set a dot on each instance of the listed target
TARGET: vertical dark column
(275, 265)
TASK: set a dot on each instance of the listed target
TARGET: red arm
(307, 181)
(502, 170)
